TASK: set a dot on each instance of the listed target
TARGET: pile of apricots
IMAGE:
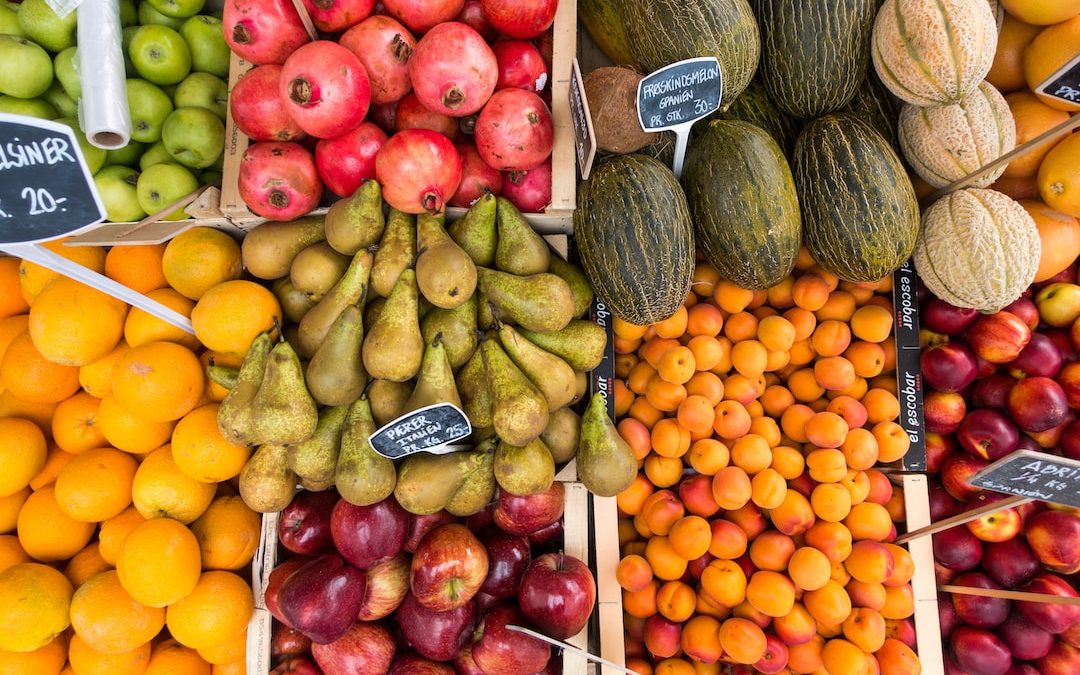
(757, 531)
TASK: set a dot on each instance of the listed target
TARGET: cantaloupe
(977, 249)
(999, 12)
(945, 143)
(933, 52)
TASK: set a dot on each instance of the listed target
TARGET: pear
(605, 463)
(222, 376)
(347, 291)
(520, 249)
(426, 483)
(579, 284)
(562, 435)
(485, 315)
(582, 379)
(316, 486)
(397, 251)
(294, 303)
(266, 482)
(356, 222)
(445, 273)
(475, 232)
(541, 302)
(475, 395)
(435, 383)
(478, 490)
(458, 330)
(388, 399)
(581, 343)
(373, 309)
(519, 412)
(268, 250)
(335, 374)
(552, 376)
(283, 411)
(524, 470)
(394, 346)
(363, 476)
(316, 269)
(315, 458)
(235, 420)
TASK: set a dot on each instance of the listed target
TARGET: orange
(141, 327)
(158, 381)
(9, 509)
(137, 267)
(201, 452)
(229, 316)
(85, 564)
(218, 609)
(96, 377)
(1060, 237)
(88, 661)
(11, 327)
(47, 660)
(1007, 72)
(57, 459)
(115, 530)
(161, 490)
(73, 324)
(1032, 117)
(11, 552)
(171, 658)
(743, 641)
(34, 604)
(74, 424)
(1059, 175)
(34, 277)
(46, 532)
(38, 413)
(1050, 50)
(11, 299)
(159, 562)
(22, 454)
(128, 432)
(109, 619)
(199, 259)
(1042, 12)
(28, 376)
(96, 485)
(228, 534)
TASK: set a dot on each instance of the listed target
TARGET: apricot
(696, 495)
(743, 641)
(881, 488)
(899, 602)
(794, 515)
(826, 430)
(829, 604)
(677, 365)
(708, 385)
(708, 455)
(654, 348)
(644, 412)
(835, 373)
(751, 453)
(896, 507)
(804, 385)
(840, 574)
(893, 441)
(674, 667)
(749, 518)
(779, 294)
(728, 540)
(850, 408)
(826, 465)
(870, 561)
(896, 658)
(860, 448)
(749, 357)
(881, 405)
(872, 323)
(867, 358)
(663, 471)
(724, 582)
(663, 395)
(661, 510)
(744, 610)
(903, 566)
(767, 488)
(633, 573)
(639, 666)
(809, 568)
(788, 462)
(690, 537)
(740, 326)
(857, 484)
(676, 601)
(666, 564)
(801, 353)
(731, 419)
(674, 325)
(831, 502)
(701, 639)
(810, 292)
(867, 595)
(793, 422)
(839, 307)
(831, 338)
(731, 488)
(805, 658)
(831, 630)
(775, 400)
(631, 500)
(841, 657)
(704, 319)
(770, 593)
(771, 551)
(796, 627)
(709, 607)
(641, 604)
(741, 389)
(856, 391)
(663, 637)
(869, 521)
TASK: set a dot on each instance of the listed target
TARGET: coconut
(612, 95)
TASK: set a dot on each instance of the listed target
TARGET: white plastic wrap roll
(103, 109)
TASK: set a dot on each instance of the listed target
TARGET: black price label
(584, 137)
(908, 377)
(1063, 84)
(679, 94)
(46, 190)
(602, 378)
(1035, 475)
(430, 429)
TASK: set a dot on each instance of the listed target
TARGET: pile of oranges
(124, 545)
(757, 531)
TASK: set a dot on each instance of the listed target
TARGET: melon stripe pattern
(755, 107)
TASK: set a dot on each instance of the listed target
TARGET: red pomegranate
(423, 15)
(348, 160)
(419, 170)
(411, 114)
(520, 66)
(476, 177)
(334, 16)
(263, 31)
(530, 190)
(278, 181)
(473, 15)
(325, 89)
(521, 19)
(514, 131)
(384, 46)
(256, 106)
(453, 70)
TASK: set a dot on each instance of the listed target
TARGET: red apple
(557, 595)
(1063, 659)
(1055, 538)
(273, 585)
(322, 598)
(942, 505)
(988, 434)
(367, 535)
(997, 526)
(482, 519)
(998, 338)
(992, 392)
(938, 448)
(464, 663)
(956, 471)
(304, 525)
(421, 525)
(1011, 563)
(288, 642)
(1022, 669)
(1038, 404)
(957, 548)
(1052, 618)
(947, 616)
(436, 635)
(387, 585)
(497, 649)
(296, 665)
(448, 568)
(985, 368)
(976, 610)
(775, 658)
(1059, 304)
(1069, 381)
(1024, 639)
(365, 649)
(943, 411)
(1041, 357)
(948, 367)
(547, 538)
(1070, 440)
(979, 651)
(1066, 342)
(523, 515)
(414, 664)
(1026, 310)
(941, 317)
(508, 557)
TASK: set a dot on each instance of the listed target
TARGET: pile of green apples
(177, 63)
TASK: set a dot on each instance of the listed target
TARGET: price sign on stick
(584, 136)
(46, 192)
(430, 429)
(678, 95)
(1034, 475)
(1064, 84)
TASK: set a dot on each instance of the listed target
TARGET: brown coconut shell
(612, 96)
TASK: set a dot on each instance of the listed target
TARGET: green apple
(9, 22)
(178, 9)
(209, 51)
(95, 156)
(210, 177)
(148, 106)
(31, 107)
(155, 154)
(195, 137)
(160, 55)
(129, 16)
(26, 70)
(58, 98)
(203, 90)
(161, 185)
(66, 66)
(117, 187)
(148, 16)
(126, 156)
(1059, 304)
(43, 26)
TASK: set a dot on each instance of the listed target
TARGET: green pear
(294, 303)
(458, 330)
(519, 411)
(445, 273)
(335, 374)
(520, 250)
(356, 222)
(475, 232)
(524, 470)
(317, 268)
(363, 476)
(348, 290)
(552, 376)
(427, 483)
(605, 463)
(394, 347)
(235, 420)
(268, 250)
(541, 302)
(388, 399)
(266, 482)
(562, 435)
(478, 489)
(435, 382)
(397, 252)
(315, 458)
(581, 343)
(283, 411)
(475, 395)
(579, 284)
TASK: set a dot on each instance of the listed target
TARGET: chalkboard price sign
(678, 95)
(1064, 84)
(430, 429)
(1035, 475)
(584, 136)
(908, 376)
(46, 190)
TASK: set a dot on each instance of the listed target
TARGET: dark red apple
(943, 411)
(464, 663)
(557, 595)
(288, 642)
(947, 616)
(979, 651)
(547, 538)
(948, 367)
(941, 317)
(523, 515)
(367, 535)
(938, 448)
(421, 525)
(942, 505)
(992, 392)
(988, 434)
(322, 598)
(957, 548)
(296, 665)
(1038, 404)
(1067, 343)
(775, 658)
(414, 664)
(1055, 537)
(956, 471)
(1026, 310)
(1041, 357)
(273, 585)
(436, 635)
(985, 368)
(482, 519)
(1024, 639)
(304, 525)
(976, 610)
(1022, 669)
(951, 667)
(999, 337)
(996, 526)
(365, 649)
(508, 557)
(1063, 659)
(1011, 563)
(1070, 440)
(1052, 618)
(1069, 381)
(387, 586)
(483, 601)
(448, 568)
(497, 649)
